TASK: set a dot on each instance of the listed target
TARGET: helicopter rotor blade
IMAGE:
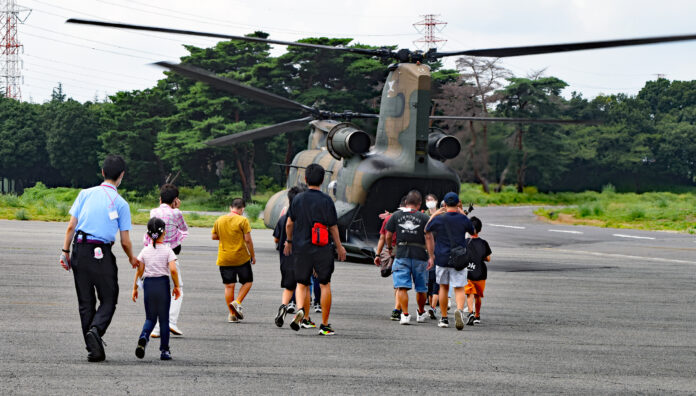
(235, 87)
(553, 48)
(363, 51)
(263, 132)
(518, 120)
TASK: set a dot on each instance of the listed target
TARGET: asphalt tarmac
(568, 309)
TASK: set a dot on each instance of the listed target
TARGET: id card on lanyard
(113, 213)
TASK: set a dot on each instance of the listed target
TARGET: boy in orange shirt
(235, 256)
(477, 273)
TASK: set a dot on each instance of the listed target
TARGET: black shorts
(320, 261)
(433, 287)
(287, 273)
(236, 274)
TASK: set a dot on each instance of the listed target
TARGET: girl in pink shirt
(156, 262)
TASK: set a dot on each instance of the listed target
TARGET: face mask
(430, 204)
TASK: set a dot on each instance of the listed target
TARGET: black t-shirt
(409, 226)
(480, 250)
(307, 208)
(279, 232)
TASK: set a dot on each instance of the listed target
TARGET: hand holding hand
(64, 261)
(134, 261)
(176, 292)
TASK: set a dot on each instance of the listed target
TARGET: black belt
(83, 237)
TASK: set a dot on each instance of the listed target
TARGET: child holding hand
(156, 262)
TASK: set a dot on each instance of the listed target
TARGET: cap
(451, 199)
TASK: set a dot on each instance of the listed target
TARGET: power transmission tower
(428, 26)
(11, 47)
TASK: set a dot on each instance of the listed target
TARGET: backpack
(459, 255)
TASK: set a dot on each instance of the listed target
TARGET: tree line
(642, 142)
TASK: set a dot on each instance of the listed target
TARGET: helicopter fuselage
(366, 185)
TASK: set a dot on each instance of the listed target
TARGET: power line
(92, 48)
(82, 74)
(53, 61)
(99, 42)
(207, 20)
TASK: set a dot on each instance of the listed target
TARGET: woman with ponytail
(157, 262)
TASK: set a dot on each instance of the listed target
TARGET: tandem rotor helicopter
(365, 179)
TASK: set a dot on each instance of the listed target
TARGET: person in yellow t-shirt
(235, 256)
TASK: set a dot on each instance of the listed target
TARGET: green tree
(131, 123)
(73, 149)
(22, 152)
(543, 155)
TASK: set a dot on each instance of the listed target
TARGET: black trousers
(95, 278)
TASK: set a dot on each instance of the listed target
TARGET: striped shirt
(175, 229)
(156, 260)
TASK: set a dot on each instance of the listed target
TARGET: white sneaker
(237, 308)
(175, 330)
(292, 307)
(232, 319)
(422, 317)
(405, 319)
(459, 319)
(155, 333)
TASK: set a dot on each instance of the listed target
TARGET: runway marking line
(507, 226)
(616, 255)
(632, 236)
(567, 231)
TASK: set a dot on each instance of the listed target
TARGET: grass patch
(654, 210)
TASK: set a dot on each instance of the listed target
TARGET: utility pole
(428, 26)
(11, 48)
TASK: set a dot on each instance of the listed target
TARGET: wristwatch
(289, 241)
(65, 251)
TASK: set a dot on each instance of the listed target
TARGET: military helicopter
(366, 178)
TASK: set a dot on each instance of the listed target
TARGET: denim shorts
(405, 269)
(452, 277)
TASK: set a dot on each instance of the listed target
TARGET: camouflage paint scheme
(368, 184)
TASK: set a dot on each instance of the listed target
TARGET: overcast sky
(92, 61)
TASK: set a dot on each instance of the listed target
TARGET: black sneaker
(297, 320)
(444, 322)
(477, 320)
(470, 320)
(326, 330)
(280, 317)
(140, 349)
(95, 346)
(431, 313)
(396, 314)
(166, 355)
(308, 324)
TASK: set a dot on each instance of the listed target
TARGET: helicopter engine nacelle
(443, 147)
(346, 140)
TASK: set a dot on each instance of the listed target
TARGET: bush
(253, 211)
(12, 201)
(21, 214)
(608, 189)
(636, 213)
(585, 211)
